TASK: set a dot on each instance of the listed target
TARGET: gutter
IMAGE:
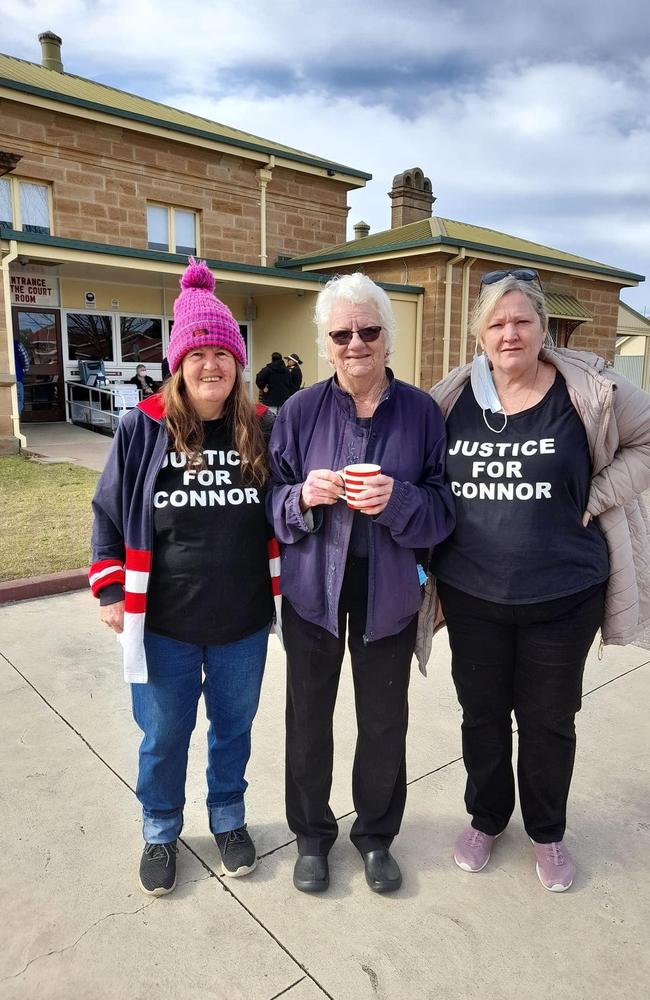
(417, 366)
(464, 310)
(141, 258)
(442, 242)
(264, 175)
(15, 416)
(446, 335)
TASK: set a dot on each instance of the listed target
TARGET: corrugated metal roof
(415, 234)
(438, 231)
(565, 307)
(66, 87)
(467, 233)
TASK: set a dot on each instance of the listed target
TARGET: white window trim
(116, 339)
(164, 326)
(14, 193)
(171, 226)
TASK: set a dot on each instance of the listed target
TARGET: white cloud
(532, 121)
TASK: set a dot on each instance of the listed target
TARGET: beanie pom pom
(198, 275)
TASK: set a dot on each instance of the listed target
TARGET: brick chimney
(51, 51)
(361, 230)
(411, 197)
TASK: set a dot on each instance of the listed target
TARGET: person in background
(547, 453)
(21, 361)
(187, 472)
(144, 382)
(358, 571)
(275, 383)
(293, 364)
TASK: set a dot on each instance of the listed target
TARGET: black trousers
(381, 672)
(526, 658)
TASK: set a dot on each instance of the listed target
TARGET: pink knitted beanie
(201, 320)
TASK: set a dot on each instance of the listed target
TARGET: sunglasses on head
(367, 334)
(520, 273)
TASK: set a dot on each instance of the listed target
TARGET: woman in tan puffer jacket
(548, 455)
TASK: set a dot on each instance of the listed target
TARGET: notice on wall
(33, 289)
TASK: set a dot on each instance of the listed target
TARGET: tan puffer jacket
(616, 417)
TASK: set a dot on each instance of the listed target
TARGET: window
(141, 339)
(90, 336)
(6, 209)
(24, 205)
(171, 229)
(244, 329)
(157, 227)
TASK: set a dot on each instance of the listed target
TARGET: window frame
(117, 332)
(14, 199)
(116, 339)
(171, 228)
(87, 312)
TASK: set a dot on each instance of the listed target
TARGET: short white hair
(359, 289)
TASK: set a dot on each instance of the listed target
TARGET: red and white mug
(355, 480)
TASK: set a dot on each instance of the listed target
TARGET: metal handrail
(97, 417)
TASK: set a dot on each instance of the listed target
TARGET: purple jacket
(317, 429)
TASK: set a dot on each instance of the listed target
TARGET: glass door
(40, 333)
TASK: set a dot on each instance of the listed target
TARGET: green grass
(45, 517)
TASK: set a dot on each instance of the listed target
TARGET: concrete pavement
(76, 927)
(62, 442)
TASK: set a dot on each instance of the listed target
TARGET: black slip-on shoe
(311, 873)
(382, 871)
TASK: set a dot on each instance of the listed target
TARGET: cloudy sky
(529, 118)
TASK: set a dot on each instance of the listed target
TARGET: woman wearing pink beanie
(182, 574)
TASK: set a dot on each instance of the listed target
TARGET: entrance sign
(33, 289)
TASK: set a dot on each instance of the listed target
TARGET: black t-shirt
(210, 580)
(360, 534)
(520, 497)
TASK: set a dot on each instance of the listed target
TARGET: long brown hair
(185, 427)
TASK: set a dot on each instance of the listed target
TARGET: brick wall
(304, 213)
(103, 175)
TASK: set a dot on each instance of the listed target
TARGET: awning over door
(566, 307)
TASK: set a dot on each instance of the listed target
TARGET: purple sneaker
(555, 867)
(472, 849)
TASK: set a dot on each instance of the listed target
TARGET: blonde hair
(490, 296)
(185, 427)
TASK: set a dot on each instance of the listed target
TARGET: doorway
(39, 331)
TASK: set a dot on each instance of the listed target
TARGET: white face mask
(484, 390)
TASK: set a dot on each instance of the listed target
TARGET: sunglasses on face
(367, 334)
(520, 273)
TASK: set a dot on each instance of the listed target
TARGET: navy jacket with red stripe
(122, 534)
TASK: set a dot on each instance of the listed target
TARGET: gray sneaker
(556, 869)
(237, 850)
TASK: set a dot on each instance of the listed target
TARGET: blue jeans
(230, 677)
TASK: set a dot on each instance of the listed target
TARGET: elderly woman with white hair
(358, 569)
